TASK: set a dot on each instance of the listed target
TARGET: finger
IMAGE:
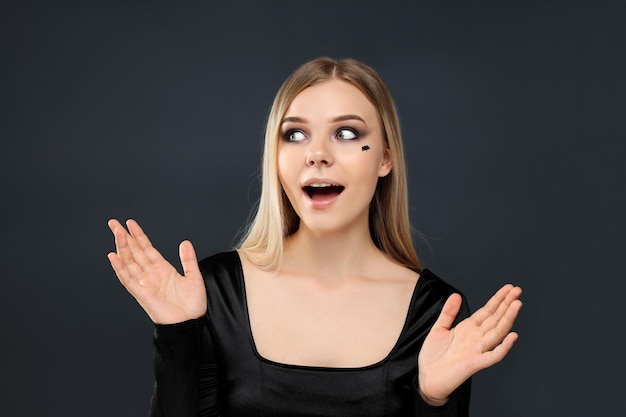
(494, 337)
(121, 244)
(188, 259)
(491, 307)
(492, 321)
(499, 352)
(129, 250)
(142, 240)
(128, 272)
(116, 262)
(122, 271)
(126, 268)
(448, 312)
(114, 224)
(138, 253)
(137, 233)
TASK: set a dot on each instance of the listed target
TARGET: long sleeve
(185, 371)
(188, 376)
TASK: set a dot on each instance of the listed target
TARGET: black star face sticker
(365, 148)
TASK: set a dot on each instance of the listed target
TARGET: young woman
(324, 309)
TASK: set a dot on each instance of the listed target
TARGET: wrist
(435, 402)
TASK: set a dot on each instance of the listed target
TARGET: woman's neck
(333, 255)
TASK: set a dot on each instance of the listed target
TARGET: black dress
(210, 366)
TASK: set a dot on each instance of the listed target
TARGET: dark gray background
(513, 118)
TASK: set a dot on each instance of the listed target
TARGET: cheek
(286, 161)
(367, 162)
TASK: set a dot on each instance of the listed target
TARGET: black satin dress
(210, 366)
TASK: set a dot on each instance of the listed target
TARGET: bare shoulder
(391, 271)
(388, 271)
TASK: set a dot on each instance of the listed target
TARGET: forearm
(176, 362)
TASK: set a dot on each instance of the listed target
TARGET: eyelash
(287, 135)
(355, 132)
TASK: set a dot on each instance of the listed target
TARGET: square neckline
(312, 368)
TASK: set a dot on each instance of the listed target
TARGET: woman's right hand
(167, 296)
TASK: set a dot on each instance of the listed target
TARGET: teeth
(320, 185)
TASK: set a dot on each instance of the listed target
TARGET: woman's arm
(184, 365)
(185, 371)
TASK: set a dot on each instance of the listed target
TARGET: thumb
(449, 312)
(188, 259)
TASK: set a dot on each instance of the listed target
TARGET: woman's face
(330, 155)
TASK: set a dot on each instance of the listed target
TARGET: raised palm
(450, 355)
(167, 296)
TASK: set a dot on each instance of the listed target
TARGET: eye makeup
(294, 135)
(347, 133)
(342, 134)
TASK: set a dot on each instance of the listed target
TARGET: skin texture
(166, 296)
(318, 153)
(450, 355)
(318, 305)
(336, 301)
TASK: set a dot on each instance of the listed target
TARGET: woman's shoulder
(220, 266)
(433, 291)
(437, 285)
(227, 258)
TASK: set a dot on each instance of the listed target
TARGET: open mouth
(323, 192)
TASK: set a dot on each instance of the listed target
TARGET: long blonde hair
(275, 217)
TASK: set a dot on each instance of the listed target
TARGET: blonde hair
(275, 217)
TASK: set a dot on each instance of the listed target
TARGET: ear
(386, 164)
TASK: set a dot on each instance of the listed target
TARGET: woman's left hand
(450, 355)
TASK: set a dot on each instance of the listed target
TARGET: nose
(319, 154)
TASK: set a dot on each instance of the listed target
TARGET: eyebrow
(341, 118)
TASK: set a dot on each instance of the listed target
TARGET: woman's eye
(295, 136)
(346, 134)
